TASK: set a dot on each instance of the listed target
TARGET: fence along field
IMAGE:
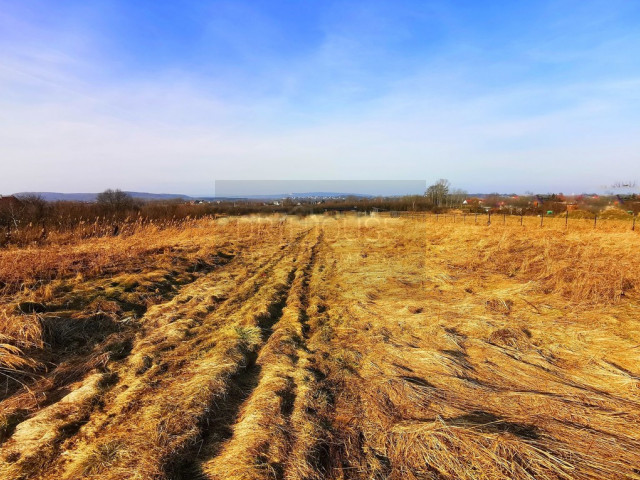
(607, 222)
(323, 347)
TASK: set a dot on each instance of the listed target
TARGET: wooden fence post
(504, 219)
(566, 220)
(633, 227)
(476, 217)
(489, 221)
(521, 216)
(542, 218)
(595, 220)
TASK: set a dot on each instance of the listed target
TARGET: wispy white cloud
(334, 109)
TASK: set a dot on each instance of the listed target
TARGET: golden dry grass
(324, 347)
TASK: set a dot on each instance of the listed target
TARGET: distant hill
(91, 197)
(301, 195)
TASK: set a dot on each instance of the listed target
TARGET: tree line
(31, 218)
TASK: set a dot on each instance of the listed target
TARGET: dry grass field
(323, 347)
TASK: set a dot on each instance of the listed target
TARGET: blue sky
(169, 96)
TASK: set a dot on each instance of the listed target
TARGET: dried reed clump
(21, 330)
(500, 305)
(17, 334)
(102, 457)
(511, 337)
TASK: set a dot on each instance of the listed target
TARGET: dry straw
(323, 347)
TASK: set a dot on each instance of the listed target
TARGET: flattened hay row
(85, 324)
(61, 320)
(173, 382)
(161, 352)
(37, 440)
(261, 437)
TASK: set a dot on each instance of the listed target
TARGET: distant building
(539, 200)
(9, 202)
(624, 199)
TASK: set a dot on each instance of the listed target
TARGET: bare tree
(37, 210)
(115, 200)
(10, 216)
(437, 193)
(456, 197)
